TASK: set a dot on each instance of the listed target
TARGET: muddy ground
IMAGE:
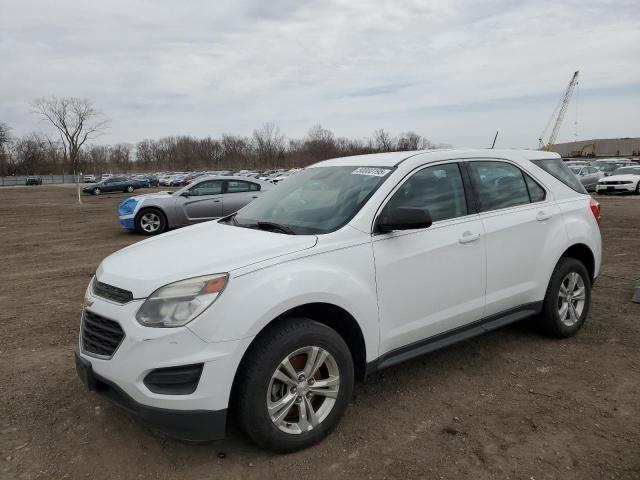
(509, 404)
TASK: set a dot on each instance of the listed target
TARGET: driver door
(201, 202)
(430, 281)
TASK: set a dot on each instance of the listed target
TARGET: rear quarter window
(557, 168)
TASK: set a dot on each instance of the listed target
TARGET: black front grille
(615, 182)
(112, 293)
(100, 335)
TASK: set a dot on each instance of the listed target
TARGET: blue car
(33, 180)
(178, 182)
(144, 182)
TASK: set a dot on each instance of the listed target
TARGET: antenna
(494, 139)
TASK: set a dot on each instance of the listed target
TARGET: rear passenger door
(238, 193)
(430, 280)
(522, 224)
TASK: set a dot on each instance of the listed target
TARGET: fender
(251, 301)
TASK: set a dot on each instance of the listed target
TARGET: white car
(89, 178)
(353, 265)
(623, 179)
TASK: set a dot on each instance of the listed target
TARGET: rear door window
(237, 186)
(557, 168)
(498, 185)
(536, 192)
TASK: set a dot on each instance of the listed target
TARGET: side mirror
(185, 194)
(405, 218)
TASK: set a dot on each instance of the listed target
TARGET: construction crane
(558, 115)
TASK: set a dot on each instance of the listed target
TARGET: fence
(46, 179)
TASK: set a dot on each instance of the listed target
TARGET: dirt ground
(509, 404)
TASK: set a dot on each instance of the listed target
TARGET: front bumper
(127, 222)
(145, 349)
(625, 187)
(190, 425)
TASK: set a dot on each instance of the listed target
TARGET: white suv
(352, 265)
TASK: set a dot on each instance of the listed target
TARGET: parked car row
(591, 173)
(180, 179)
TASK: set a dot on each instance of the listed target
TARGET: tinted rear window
(556, 168)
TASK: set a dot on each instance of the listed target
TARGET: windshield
(627, 171)
(316, 200)
(609, 167)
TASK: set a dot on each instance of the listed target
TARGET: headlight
(178, 303)
(127, 207)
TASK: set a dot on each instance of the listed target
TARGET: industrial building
(599, 147)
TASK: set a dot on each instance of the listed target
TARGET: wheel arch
(144, 208)
(331, 315)
(584, 254)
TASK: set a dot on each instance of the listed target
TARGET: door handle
(255, 197)
(542, 216)
(216, 201)
(468, 237)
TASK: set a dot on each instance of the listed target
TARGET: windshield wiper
(275, 226)
(269, 226)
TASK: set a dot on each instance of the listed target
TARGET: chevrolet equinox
(353, 265)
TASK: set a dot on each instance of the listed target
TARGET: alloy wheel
(303, 390)
(571, 299)
(150, 222)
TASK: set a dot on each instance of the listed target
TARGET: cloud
(454, 71)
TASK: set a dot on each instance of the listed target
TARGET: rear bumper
(190, 425)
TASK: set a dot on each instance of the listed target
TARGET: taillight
(595, 209)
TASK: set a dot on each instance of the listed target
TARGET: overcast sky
(453, 71)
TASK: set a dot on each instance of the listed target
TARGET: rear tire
(283, 402)
(567, 300)
(150, 221)
(129, 189)
(637, 192)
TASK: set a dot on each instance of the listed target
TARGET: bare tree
(269, 145)
(5, 133)
(5, 138)
(413, 141)
(76, 119)
(383, 141)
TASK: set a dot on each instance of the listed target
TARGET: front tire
(637, 192)
(96, 191)
(293, 385)
(150, 221)
(129, 189)
(567, 301)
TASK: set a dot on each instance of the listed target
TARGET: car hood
(164, 194)
(625, 177)
(201, 249)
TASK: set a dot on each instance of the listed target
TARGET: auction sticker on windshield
(375, 172)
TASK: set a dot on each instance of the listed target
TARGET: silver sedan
(205, 199)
